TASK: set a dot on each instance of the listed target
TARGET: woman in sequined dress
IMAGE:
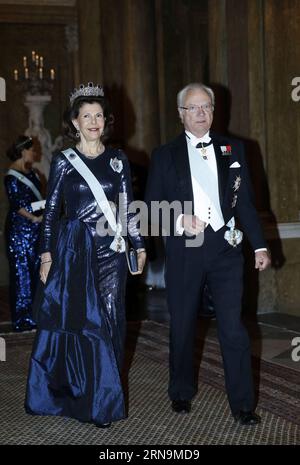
(22, 231)
(78, 351)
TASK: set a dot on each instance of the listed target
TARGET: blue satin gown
(78, 350)
(22, 250)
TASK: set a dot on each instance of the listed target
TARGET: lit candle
(25, 62)
(36, 60)
(26, 73)
(33, 55)
(52, 73)
(41, 62)
(41, 73)
(16, 74)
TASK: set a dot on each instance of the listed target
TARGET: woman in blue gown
(78, 350)
(22, 229)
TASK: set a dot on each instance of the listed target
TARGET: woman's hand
(46, 263)
(30, 216)
(141, 258)
(37, 219)
(44, 270)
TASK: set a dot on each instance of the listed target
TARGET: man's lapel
(223, 162)
(182, 165)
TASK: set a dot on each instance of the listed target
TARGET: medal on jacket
(202, 146)
(233, 236)
(237, 183)
(203, 153)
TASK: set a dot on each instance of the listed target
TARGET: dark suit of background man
(210, 171)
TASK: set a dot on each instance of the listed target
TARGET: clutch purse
(132, 261)
(38, 205)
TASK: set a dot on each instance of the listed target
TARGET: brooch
(233, 236)
(237, 183)
(226, 150)
(116, 164)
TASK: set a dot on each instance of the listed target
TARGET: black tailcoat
(215, 262)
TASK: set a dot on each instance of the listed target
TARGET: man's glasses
(206, 107)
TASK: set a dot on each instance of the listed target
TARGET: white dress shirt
(203, 207)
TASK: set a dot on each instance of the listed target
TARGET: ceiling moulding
(44, 12)
(39, 2)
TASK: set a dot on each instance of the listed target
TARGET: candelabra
(35, 79)
(37, 83)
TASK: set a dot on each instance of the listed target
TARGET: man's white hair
(194, 86)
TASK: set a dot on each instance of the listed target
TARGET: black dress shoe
(103, 425)
(181, 406)
(247, 418)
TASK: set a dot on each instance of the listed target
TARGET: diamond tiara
(86, 91)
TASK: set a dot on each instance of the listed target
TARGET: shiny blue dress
(78, 350)
(22, 250)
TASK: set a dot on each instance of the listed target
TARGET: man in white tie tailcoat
(208, 172)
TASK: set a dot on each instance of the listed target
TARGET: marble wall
(143, 52)
(254, 55)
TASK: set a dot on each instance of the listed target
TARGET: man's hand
(262, 260)
(192, 224)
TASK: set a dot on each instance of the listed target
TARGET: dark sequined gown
(22, 249)
(78, 351)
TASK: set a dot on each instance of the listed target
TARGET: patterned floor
(150, 420)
